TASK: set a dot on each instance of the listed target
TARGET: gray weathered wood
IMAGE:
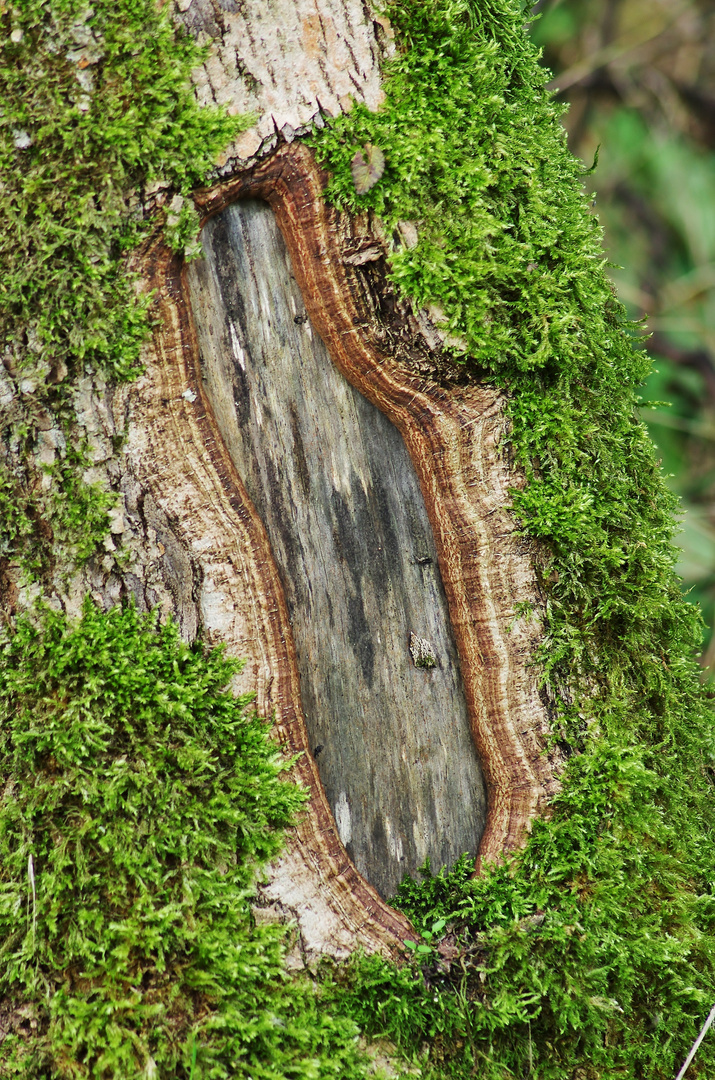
(333, 483)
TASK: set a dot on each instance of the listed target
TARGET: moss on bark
(591, 954)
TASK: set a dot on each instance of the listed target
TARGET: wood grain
(453, 437)
(178, 457)
(331, 479)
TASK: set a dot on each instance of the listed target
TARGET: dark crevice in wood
(181, 459)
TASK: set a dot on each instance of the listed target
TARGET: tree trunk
(321, 492)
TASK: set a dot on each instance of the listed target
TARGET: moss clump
(592, 954)
(139, 797)
(97, 106)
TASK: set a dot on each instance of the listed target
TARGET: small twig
(602, 57)
(696, 1044)
(31, 875)
(691, 427)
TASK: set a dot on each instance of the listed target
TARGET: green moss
(97, 106)
(139, 798)
(591, 955)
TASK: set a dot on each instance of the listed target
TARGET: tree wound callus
(335, 488)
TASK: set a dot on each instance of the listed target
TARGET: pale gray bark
(290, 63)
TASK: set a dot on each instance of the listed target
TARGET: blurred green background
(639, 78)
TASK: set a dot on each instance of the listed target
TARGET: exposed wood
(453, 436)
(177, 455)
(332, 481)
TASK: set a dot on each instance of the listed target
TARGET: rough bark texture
(291, 63)
(332, 481)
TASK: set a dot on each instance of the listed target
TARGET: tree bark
(390, 653)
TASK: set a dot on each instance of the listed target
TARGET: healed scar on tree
(452, 433)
